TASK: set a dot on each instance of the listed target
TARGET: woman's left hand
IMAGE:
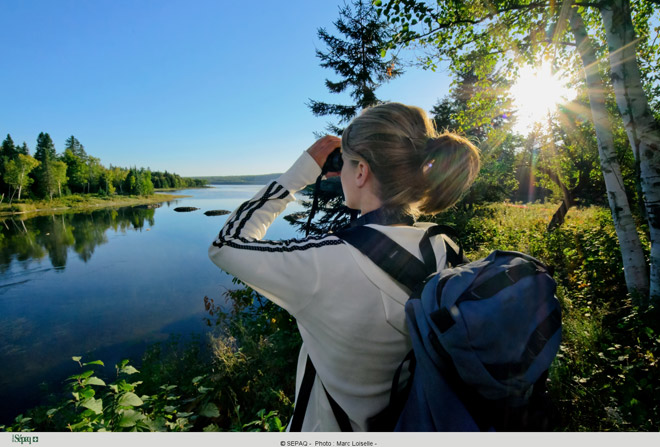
(322, 148)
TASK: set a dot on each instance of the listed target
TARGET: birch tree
(17, 173)
(642, 128)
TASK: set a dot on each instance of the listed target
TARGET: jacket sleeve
(288, 272)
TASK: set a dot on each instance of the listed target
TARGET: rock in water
(217, 212)
(185, 209)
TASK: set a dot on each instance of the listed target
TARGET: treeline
(48, 174)
(239, 179)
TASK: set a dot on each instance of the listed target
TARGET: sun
(536, 93)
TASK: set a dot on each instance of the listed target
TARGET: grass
(80, 202)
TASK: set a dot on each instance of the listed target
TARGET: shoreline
(61, 205)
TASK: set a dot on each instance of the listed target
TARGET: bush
(606, 375)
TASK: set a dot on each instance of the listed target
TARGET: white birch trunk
(634, 263)
(641, 127)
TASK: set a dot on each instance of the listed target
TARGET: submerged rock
(217, 212)
(149, 206)
(185, 209)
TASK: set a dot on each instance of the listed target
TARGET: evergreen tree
(356, 57)
(9, 150)
(45, 153)
(7, 153)
(45, 150)
(75, 146)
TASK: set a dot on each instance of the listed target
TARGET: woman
(349, 312)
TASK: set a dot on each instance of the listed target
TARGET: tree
(77, 170)
(107, 186)
(17, 173)
(516, 32)
(94, 171)
(76, 160)
(356, 57)
(641, 126)
(45, 153)
(7, 152)
(59, 177)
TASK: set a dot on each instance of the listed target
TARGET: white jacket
(349, 312)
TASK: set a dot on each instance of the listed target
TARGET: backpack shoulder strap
(455, 255)
(303, 401)
(391, 257)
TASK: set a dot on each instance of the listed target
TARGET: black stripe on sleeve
(279, 246)
(259, 205)
(248, 205)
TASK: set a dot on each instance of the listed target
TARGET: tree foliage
(481, 36)
(355, 56)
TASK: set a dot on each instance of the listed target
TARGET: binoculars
(334, 162)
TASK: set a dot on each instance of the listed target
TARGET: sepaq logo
(22, 439)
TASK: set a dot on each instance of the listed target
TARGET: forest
(48, 174)
(579, 190)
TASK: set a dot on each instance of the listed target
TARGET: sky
(195, 87)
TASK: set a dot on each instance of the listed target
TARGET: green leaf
(130, 400)
(94, 381)
(86, 393)
(197, 379)
(156, 425)
(210, 410)
(96, 405)
(129, 370)
(130, 417)
(94, 362)
(76, 359)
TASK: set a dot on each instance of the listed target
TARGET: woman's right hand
(322, 148)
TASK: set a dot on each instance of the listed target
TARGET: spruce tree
(8, 152)
(355, 55)
(46, 155)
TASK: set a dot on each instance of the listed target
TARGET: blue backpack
(483, 334)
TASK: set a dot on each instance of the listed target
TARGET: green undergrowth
(605, 378)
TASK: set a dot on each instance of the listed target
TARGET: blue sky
(193, 87)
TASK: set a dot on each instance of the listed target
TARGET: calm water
(104, 285)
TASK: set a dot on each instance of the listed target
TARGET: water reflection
(52, 236)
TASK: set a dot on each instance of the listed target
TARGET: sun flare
(536, 93)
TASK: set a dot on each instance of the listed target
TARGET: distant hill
(240, 179)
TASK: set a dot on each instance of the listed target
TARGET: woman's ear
(362, 174)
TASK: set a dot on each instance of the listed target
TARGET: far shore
(80, 203)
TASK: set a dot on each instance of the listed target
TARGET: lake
(106, 284)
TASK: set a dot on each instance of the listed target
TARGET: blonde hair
(417, 169)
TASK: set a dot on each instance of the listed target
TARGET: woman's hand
(322, 148)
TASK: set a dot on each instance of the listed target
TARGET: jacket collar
(382, 217)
